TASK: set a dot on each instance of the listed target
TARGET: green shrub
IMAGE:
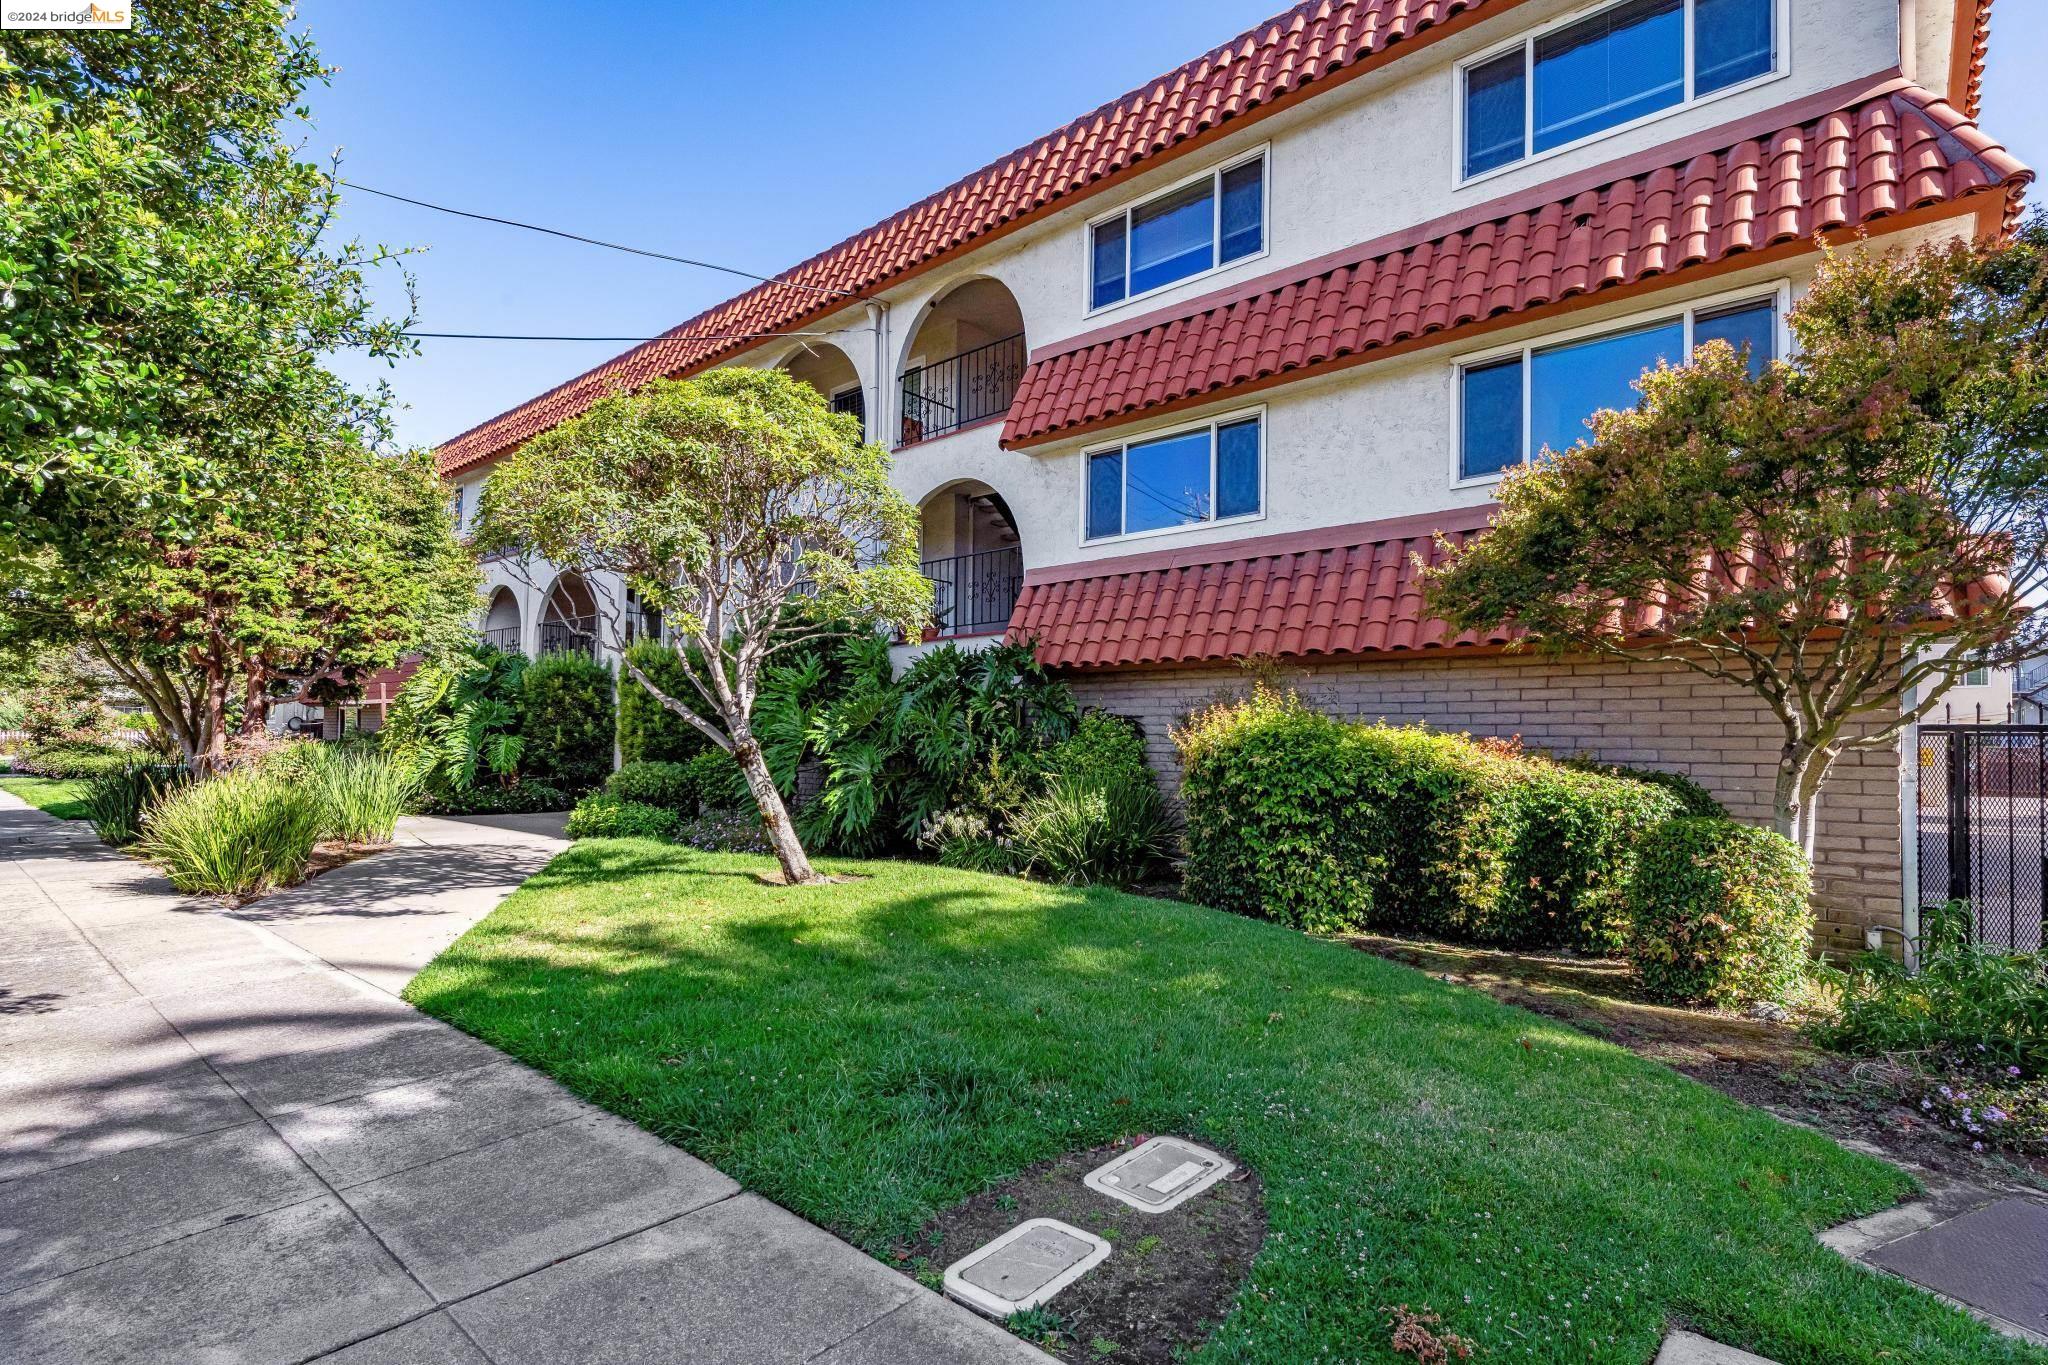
(1719, 912)
(672, 786)
(520, 798)
(648, 731)
(73, 760)
(1083, 830)
(1103, 747)
(1693, 799)
(718, 781)
(233, 835)
(566, 720)
(602, 815)
(1576, 835)
(455, 728)
(1967, 999)
(361, 793)
(116, 802)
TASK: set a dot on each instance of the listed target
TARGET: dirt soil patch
(1169, 1279)
(1765, 1062)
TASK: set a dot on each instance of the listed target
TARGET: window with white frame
(1568, 83)
(1200, 226)
(1201, 473)
(1539, 397)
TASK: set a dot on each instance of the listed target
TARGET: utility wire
(594, 241)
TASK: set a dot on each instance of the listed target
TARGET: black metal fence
(502, 637)
(1983, 823)
(948, 394)
(569, 635)
(974, 594)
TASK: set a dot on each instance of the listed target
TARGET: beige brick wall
(1660, 716)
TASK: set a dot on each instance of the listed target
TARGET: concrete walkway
(222, 1138)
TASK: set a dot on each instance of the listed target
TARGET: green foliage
(604, 815)
(1720, 912)
(567, 722)
(233, 835)
(455, 726)
(1971, 1000)
(361, 792)
(73, 760)
(1327, 826)
(1693, 799)
(1083, 830)
(523, 797)
(672, 786)
(1103, 747)
(648, 731)
(116, 802)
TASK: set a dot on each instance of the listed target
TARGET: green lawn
(867, 1053)
(61, 797)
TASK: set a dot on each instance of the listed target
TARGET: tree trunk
(212, 754)
(789, 851)
(1795, 802)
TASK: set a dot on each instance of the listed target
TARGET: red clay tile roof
(1979, 39)
(1295, 52)
(1345, 590)
(1893, 151)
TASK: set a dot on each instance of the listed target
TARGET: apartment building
(1193, 379)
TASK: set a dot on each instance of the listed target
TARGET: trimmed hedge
(648, 731)
(1720, 913)
(602, 815)
(672, 786)
(1328, 826)
(566, 717)
(74, 760)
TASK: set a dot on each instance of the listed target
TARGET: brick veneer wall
(1660, 716)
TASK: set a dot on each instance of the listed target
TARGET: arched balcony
(974, 558)
(568, 618)
(501, 623)
(827, 369)
(964, 361)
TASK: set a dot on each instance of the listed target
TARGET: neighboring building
(1192, 378)
(309, 713)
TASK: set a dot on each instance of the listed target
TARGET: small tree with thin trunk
(1843, 534)
(744, 510)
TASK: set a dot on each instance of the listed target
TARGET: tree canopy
(743, 509)
(1843, 533)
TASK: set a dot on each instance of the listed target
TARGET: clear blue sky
(749, 134)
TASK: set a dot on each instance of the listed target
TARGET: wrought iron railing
(975, 594)
(948, 394)
(569, 635)
(503, 637)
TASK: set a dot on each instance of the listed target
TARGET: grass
(62, 797)
(868, 1053)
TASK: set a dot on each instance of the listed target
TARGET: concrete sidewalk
(223, 1139)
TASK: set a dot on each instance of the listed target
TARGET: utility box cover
(1159, 1174)
(1025, 1266)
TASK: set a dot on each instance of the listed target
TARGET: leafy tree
(1843, 534)
(745, 511)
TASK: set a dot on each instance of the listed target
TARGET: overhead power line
(596, 241)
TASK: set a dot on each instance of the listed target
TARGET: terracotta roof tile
(1281, 57)
(1891, 152)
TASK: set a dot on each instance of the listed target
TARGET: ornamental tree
(743, 509)
(1842, 534)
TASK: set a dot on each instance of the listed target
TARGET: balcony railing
(948, 394)
(975, 594)
(504, 637)
(569, 635)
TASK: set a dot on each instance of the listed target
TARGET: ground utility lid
(1994, 1258)
(1025, 1266)
(1159, 1174)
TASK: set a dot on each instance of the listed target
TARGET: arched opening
(826, 368)
(568, 618)
(501, 622)
(973, 556)
(964, 361)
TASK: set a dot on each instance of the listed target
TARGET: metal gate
(1983, 822)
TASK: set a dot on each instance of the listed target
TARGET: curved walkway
(223, 1138)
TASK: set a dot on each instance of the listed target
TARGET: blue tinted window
(1494, 113)
(1174, 237)
(1244, 192)
(1568, 384)
(1732, 40)
(1751, 326)
(1492, 425)
(1109, 262)
(1237, 469)
(1616, 66)
(1166, 482)
(1105, 494)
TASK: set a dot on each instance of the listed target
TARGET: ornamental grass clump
(361, 793)
(117, 802)
(234, 835)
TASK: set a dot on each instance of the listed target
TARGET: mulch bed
(1169, 1279)
(1767, 1063)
